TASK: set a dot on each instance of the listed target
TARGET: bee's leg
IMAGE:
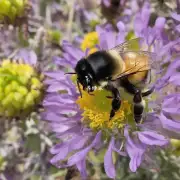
(116, 100)
(138, 106)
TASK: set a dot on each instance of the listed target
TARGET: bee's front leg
(138, 106)
(116, 100)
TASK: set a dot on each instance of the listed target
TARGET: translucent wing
(136, 60)
(131, 45)
(142, 61)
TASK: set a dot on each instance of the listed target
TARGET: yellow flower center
(96, 110)
(90, 40)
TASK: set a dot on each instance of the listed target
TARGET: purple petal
(108, 161)
(51, 116)
(174, 79)
(117, 149)
(62, 62)
(175, 16)
(170, 124)
(58, 75)
(74, 130)
(29, 56)
(81, 166)
(152, 138)
(178, 28)
(110, 39)
(79, 142)
(102, 41)
(79, 156)
(106, 3)
(63, 98)
(167, 47)
(60, 129)
(134, 150)
(73, 51)
(61, 155)
(160, 23)
(121, 34)
(145, 13)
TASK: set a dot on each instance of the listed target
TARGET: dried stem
(70, 19)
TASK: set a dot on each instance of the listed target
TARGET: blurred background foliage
(41, 25)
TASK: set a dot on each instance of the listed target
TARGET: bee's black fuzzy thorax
(102, 65)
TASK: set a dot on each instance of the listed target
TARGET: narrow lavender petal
(152, 138)
(142, 19)
(171, 104)
(110, 39)
(174, 79)
(178, 28)
(79, 156)
(79, 142)
(169, 124)
(99, 29)
(70, 59)
(74, 52)
(59, 104)
(58, 75)
(117, 149)
(61, 98)
(175, 16)
(70, 144)
(74, 130)
(52, 116)
(106, 3)
(160, 23)
(63, 128)
(102, 41)
(61, 155)
(108, 161)
(81, 166)
(122, 32)
(29, 56)
(61, 62)
(173, 67)
(58, 86)
(167, 47)
(49, 81)
(134, 150)
(145, 14)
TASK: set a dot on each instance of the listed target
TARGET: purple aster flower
(81, 123)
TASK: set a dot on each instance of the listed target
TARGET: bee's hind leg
(138, 106)
(116, 100)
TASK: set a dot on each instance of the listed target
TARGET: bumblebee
(122, 67)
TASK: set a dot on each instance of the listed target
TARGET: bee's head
(85, 75)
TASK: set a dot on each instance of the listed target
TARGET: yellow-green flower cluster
(54, 36)
(10, 9)
(20, 88)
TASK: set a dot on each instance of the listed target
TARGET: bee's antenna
(70, 73)
(79, 88)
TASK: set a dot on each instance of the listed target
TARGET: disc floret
(20, 88)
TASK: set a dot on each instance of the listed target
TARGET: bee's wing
(131, 45)
(151, 64)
